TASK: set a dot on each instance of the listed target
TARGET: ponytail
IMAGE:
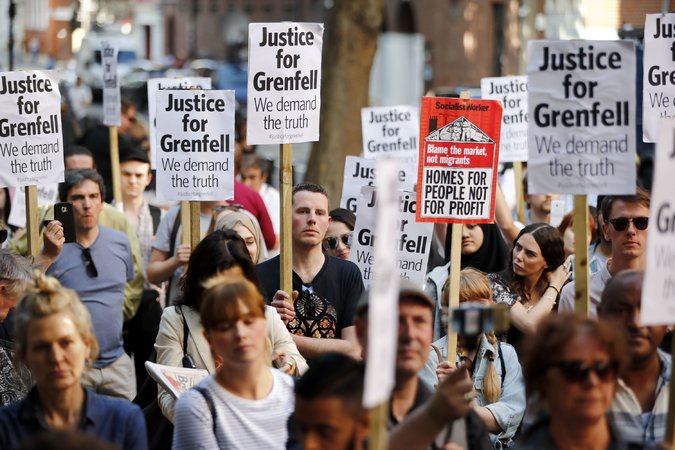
(492, 386)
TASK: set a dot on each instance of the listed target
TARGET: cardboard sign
(31, 146)
(390, 131)
(46, 195)
(284, 82)
(112, 106)
(511, 92)
(658, 98)
(458, 159)
(581, 117)
(360, 172)
(158, 84)
(195, 133)
(412, 244)
(658, 289)
(382, 303)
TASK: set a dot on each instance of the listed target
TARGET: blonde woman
(494, 367)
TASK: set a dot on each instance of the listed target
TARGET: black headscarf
(491, 257)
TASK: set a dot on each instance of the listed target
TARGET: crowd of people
(286, 369)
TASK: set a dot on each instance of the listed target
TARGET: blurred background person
(56, 342)
(254, 174)
(571, 372)
(566, 230)
(338, 240)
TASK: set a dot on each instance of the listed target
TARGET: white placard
(360, 172)
(658, 99)
(158, 84)
(391, 131)
(195, 136)
(658, 289)
(581, 132)
(112, 106)
(31, 144)
(383, 300)
(412, 244)
(46, 195)
(512, 93)
(284, 82)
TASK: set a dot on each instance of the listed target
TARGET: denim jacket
(509, 409)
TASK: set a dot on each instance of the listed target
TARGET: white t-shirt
(596, 284)
(270, 197)
(240, 423)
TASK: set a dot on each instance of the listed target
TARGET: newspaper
(175, 380)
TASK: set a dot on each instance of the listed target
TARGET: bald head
(625, 288)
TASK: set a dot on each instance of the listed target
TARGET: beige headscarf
(229, 219)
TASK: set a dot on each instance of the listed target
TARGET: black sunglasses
(621, 223)
(578, 371)
(333, 242)
(89, 265)
(3, 235)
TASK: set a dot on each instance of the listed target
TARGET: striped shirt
(240, 423)
(646, 427)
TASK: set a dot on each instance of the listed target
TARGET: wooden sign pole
(195, 225)
(379, 439)
(520, 197)
(185, 222)
(115, 167)
(32, 225)
(286, 206)
(581, 254)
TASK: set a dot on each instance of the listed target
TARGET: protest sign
(412, 244)
(658, 289)
(195, 133)
(158, 84)
(46, 195)
(383, 297)
(581, 130)
(360, 172)
(390, 131)
(658, 98)
(511, 92)
(457, 175)
(111, 86)
(284, 82)
(31, 146)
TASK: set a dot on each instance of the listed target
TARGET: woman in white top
(245, 404)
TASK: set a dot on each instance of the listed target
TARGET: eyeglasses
(621, 223)
(333, 241)
(3, 235)
(578, 371)
(89, 265)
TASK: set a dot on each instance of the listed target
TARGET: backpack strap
(209, 402)
(156, 215)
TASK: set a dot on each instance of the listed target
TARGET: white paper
(175, 380)
(511, 92)
(391, 131)
(195, 156)
(658, 289)
(158, 84)
(581, 129)
(46, 195)
(284, 82)
(383, 300)
(112, 107)
(658, 100)
(411, 245)
(31, 143)
(360, 172)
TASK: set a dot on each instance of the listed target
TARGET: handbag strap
(186, 330)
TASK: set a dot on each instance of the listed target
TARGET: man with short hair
(538, 205)
(97, 266)
(640, 403)
(78, 157)
(626, 218)
(253, 173)
(328, 409)
(325, 288)
(453, 398)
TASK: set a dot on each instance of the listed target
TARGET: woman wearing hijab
(249, 230)
(483, 248)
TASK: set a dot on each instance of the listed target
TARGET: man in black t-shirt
(325, 289)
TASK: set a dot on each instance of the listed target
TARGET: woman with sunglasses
(338, 240)
(571, 374)
(532, 280)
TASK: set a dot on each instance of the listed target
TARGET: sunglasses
(578, 372)
(621, 223)
(89, 265)
(333, 242)
(3, 235)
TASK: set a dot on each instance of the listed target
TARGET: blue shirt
(111, 420)
(103, 295)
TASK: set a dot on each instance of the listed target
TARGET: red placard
(459, 153)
